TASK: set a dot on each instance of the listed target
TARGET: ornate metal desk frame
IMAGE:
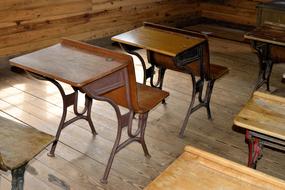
(256, 141)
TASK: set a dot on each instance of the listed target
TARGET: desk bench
(196, 169)
(18, 145)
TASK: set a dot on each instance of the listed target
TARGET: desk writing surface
(267, 34)
(158, 40)
(199, 170)
(71, 62)
(263, 113)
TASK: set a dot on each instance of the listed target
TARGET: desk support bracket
(256, 141)
(265, 64)
(69, 100)
(147, 72)
(124, 120)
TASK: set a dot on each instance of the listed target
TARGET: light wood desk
(269, 43)
(196, 169)
(263, 117)
(178, 50)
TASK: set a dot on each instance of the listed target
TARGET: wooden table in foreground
(178, 50)
(196, 169)
(86, 68)
(269, 43)
(263, 117)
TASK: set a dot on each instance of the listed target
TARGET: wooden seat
(138, 98)
(18, 145)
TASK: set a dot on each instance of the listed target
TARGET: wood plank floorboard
(81, 158)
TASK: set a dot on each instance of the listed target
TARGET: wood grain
(197, 169)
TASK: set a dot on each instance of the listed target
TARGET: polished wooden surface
(157, 40)
(263, 113)
(19, 143)
(81, 158)
(267, 34)
(197, 169)
(86, 63)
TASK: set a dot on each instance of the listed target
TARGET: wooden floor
(81, 158)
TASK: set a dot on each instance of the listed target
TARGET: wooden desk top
(72, 62)
(158, 40)
(267, 34)
(197, 169)
(263, 113)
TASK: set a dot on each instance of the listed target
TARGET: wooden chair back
(127, 95)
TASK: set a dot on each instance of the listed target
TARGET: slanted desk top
(263, 113)
(197, 169)
(158, 40)
(267, 34)
(72, 62)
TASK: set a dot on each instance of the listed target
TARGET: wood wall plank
(233, 11)
(27, 25)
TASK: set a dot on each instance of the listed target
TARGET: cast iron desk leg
(265, 64)
(256, 142)
(69, 100)
(18, 178)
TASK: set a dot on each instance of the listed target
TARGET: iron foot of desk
(18, 178)
(203, 102)
(71, 100)
(137, 136)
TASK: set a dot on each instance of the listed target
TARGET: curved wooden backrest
(120, 95)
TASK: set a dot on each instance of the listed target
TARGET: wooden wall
(27, 25)
(234, 11)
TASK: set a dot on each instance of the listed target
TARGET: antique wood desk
(84, 67)
(18, 145)
(197, 169)
(269, 43)
(263, 117)
(178, 50)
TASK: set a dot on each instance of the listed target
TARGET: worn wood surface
(80, 158)
(19, 143)
(72, 62)
(264, 114)
(197, 169)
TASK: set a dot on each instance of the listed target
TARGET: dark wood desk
(178, 50)
(269, 43)
(89, 69)
(263, 117)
